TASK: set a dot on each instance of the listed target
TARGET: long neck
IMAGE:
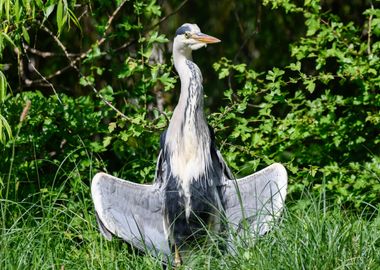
(180, 56)
(190, 102)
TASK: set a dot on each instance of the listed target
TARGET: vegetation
(57, 233)
(89, 86)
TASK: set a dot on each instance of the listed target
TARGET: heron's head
(190, 37)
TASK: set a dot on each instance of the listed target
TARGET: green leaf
(292, 168)
(153, 9)
(313, 24)
(228, 94)
(87, 80)
(39, 3)
(17, 11)
(167, 81)
(257, 140)
(155, 38)
(7, 9)
(295, 66)
(4, 125)
(111, 126)
(216, 66)
(7, 38)
(61, 15)
(107, 141)
(240, 68)
(25, 34)
(224, 72)
(3, 86)
(326, 77)
(310, 85)
(74, 19)
(48, 10)
(313, 170)
(107, 93)
(274, 74)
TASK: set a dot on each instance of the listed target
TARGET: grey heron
(193, 185)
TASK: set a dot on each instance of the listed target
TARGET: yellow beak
(205, 38)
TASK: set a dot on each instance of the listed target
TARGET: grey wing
(130, 211)
(257, 199)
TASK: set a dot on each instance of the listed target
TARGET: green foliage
(52, 137)
(319, 114)
(65, 128)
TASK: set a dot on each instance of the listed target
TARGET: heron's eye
(187, 35)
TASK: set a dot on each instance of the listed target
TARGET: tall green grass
(58, 231)
(310, 238)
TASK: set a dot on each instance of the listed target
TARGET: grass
(314, 237)
(61, 234)
(59, 231)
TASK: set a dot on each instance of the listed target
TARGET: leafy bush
(52, 137)
(319, 114)
(61, 129)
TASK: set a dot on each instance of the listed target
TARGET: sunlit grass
(62, 235)
(313, 238)
(59, 231)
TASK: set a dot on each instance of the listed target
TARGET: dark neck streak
(193, 113)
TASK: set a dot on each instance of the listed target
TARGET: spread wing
(130, 211)
(256, 200)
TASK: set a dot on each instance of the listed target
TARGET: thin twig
(72, 63)
(369, 32)
(126, 45)
(44, 54)
(60, 44)
(252, 34)
(20, 66)
(83, 13)
(109, 22)
(57, 73)
(169, 15)
(29, 82)
(241, 28)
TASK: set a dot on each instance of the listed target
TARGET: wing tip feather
(102, 228)
(97, 198)
(96, 192)
(282, 174)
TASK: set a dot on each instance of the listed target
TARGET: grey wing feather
(130, 211)
(257, 199)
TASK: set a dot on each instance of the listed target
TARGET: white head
(189, 37)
